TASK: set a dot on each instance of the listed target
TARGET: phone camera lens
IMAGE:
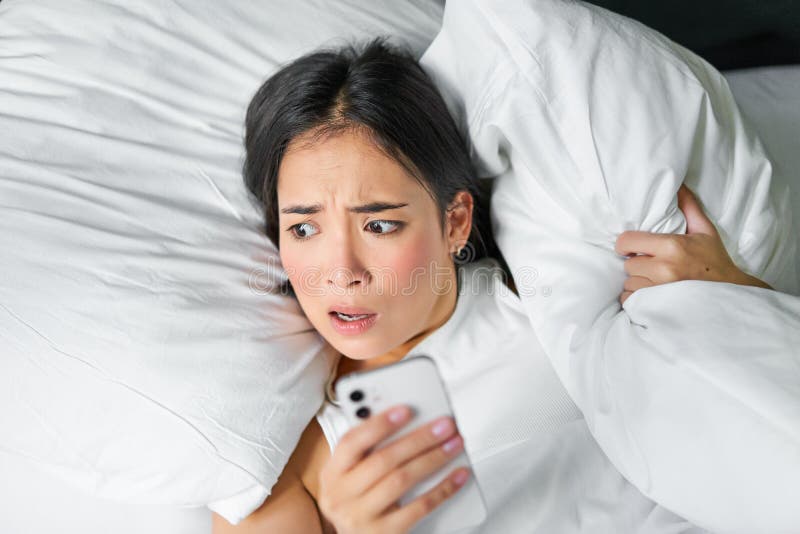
(362, 412)
(357, 395)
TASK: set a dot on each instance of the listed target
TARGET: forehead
(346, 163)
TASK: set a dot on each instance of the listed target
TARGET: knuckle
(434, 498)
(384, 461)
(428, 503)
(400, 479)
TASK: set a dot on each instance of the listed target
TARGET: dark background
(729, 34)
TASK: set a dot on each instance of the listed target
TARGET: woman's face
(360, 235)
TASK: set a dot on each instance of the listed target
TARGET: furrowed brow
(302, 210)
(375, 207)
(372, 207)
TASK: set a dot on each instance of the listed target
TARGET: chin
(355, 350)
(358, 348)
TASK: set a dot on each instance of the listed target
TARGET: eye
(302, 231)
(384, 227)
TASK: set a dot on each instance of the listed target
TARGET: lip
(352, 328)
(350, 310)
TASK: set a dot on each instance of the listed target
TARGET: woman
(369, 193)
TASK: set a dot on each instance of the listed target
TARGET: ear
(459, 220)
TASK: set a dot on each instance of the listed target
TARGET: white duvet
(590, 122)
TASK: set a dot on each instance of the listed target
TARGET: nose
(346, 270)
(344, 278)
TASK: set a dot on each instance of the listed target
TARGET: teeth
(346, 317)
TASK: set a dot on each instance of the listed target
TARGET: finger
(632, 283)
(407, 516)
(650, 243)
(697, 222)
(380, 463)
(399, 481)
(359, 440)
(654, 269)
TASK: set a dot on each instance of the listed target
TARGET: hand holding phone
(387, 475)
(359, 491)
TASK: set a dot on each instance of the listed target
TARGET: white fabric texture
(538, 467)
(589, 122)
(146, 354)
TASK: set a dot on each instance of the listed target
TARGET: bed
(33, 500)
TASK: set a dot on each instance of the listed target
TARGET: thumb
(696, 220)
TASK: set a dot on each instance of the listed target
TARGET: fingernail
(398, 415)
(461, 477)
(442, 427)
(452, 444)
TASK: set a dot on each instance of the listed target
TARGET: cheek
(304, 275)
(297, 266)
(415, 265)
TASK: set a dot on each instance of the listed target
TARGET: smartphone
(415, 382)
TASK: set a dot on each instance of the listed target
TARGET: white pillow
(146, 353)
(590, 122)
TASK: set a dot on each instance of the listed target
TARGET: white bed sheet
(32, 502)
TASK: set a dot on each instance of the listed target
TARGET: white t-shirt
(537, 465)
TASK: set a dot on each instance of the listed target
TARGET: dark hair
(376, 88)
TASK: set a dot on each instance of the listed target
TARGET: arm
(289, 509)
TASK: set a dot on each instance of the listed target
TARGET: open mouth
(346, 317)
(347, 324)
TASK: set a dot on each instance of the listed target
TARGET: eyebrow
(372, 207)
